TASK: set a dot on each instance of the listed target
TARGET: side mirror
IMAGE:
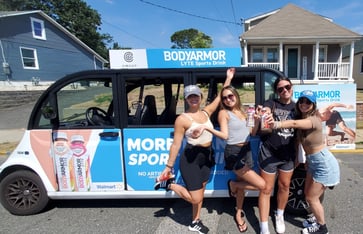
(48, 112)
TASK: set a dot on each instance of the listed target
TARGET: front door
(292, 68)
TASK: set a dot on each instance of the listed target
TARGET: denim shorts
(324, 168)
(236, 157)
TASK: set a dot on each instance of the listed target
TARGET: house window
(272, 55)
(361, 64)
(257, 55)
(265, 55)
(29, 58)
(38, 28)
(323, 55)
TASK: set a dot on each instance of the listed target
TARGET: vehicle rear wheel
(296, 203)
(23, 193)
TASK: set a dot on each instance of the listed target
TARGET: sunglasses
(281, 89)
(229, 96)
(305, 101)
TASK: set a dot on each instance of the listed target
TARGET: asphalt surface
(343, 212)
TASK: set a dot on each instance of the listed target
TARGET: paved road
(343, 207)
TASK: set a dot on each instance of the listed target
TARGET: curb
(347, 151)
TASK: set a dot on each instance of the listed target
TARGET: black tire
(23, 193)
(296, 203)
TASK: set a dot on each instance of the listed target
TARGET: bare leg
(284, 180)
(193, 197)
(313, 191)
(264, 198)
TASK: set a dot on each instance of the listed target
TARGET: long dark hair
(300, 115)
(300, 133)
(277, 81)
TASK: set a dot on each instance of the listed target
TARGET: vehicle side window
(212, 84)
(85, 103)
(269, 79)
(154, 101)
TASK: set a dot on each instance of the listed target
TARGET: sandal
(243, 226)
(231, 194)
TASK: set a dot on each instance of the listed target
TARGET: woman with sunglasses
(277, 155)
(195, 164)
(322, 167)
(237, 153)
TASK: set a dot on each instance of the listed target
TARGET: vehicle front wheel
(23, 193)
(296, 203)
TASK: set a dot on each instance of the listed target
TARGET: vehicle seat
(136, 119)
(149, 114)
(168, 115)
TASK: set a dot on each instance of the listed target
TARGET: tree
(74, 15)
(190, 38)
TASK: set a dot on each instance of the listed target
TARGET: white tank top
(204, 138)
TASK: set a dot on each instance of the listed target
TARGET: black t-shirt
(281, 142)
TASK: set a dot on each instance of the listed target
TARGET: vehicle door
(76, 137)
(154, 100)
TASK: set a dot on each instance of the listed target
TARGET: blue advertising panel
(337, 105)
(193, 58)
(146, 153)
(175, 58)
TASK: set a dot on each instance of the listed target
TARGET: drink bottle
(250, 116)
(263, 119)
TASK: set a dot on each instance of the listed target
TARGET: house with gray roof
(358, 62)
(35, 48)
(305, 46)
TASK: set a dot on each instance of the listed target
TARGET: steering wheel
(97, 116)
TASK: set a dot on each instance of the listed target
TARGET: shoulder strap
(206, 113)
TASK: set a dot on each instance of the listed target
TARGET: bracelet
(169, 166)
(277, 125)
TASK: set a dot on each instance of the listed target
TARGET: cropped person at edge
(237, 153)
(195, 165)
(277, 155)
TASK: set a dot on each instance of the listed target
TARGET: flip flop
(231, 194)
(242, 227)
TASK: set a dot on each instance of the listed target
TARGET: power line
(189, 14)
(130, 34)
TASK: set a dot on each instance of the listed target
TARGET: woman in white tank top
(194, 163)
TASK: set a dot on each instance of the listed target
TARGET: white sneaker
(280, 224)
(268, 232)
(309, 221)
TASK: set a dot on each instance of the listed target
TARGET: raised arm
(214, 104)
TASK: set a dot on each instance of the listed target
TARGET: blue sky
(150, 23)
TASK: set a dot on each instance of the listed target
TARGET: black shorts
(270, 163)
(236, 157)
(195, 166)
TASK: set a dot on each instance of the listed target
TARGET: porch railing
(275, 66)
(333, 71)
(326, 71)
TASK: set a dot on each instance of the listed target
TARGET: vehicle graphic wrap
(80, 160)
